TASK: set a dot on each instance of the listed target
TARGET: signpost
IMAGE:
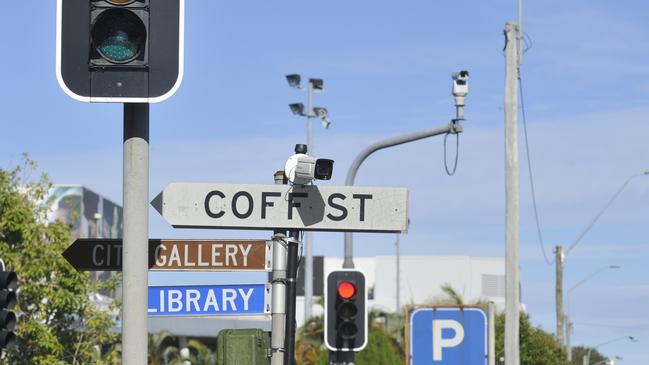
(447, 335)
(203, 255)
(209, 300)
(311, 208)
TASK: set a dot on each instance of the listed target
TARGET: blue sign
(447, 335)
(209, 300)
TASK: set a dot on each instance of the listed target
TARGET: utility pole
(398, 243)
(512, 306)
(558, 251)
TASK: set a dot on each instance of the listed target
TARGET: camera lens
(323, 169)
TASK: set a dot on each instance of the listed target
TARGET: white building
(421, 280)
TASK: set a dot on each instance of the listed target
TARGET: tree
(57, 322)
(578, 353)
(537, 347)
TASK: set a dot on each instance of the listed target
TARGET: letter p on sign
(439, 342)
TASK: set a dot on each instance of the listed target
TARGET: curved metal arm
(348, 263)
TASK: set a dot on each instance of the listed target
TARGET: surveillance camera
(325, 123)
(460, 83)
(301, 169)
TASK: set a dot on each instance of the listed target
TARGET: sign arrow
(310, 207)
(208, 255)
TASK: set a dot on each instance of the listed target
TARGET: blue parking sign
(447, 335)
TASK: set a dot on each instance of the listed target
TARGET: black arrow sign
(96, 254)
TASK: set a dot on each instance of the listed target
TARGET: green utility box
(249, 346)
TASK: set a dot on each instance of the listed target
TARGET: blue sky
(387, 67)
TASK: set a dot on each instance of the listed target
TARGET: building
(420, 281)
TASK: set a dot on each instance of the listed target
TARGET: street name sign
(169, 254)
(310, 207)
(447, 336)
(209, 300)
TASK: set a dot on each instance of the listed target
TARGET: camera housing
(460, 83)
(300, 169)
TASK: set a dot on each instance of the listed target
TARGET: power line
(639, 328)
(529, 169)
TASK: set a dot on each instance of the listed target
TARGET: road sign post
(447, 335)
(195, 255)
(267, 207)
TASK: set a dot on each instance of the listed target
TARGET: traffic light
(8, 300)
(345, 311)
(119, 50)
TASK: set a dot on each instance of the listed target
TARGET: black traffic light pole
(291, 292)
(341, 357)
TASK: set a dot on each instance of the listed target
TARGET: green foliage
(537, 347)
(57, 323)
(381, 349)
(578, 353)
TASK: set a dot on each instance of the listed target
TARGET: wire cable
(457, 153)
(529, 169)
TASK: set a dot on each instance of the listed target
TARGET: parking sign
(447, 335)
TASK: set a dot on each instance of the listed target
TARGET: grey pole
(558, 291)
(278, 294)
(308, 244)
(569, 337)
(512, 306)
(136, 234)
(398, 243)
(453, 127)
(492, 333)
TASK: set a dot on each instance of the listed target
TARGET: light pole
(586, 359)
(561, 256)
(295, 80)
(569, 328)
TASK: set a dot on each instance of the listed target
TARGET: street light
(569, 328)
(295, 81)
(586, 358)
(561, 256)
(609, 361)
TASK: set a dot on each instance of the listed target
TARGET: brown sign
(212, 255)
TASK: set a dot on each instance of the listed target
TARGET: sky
(386, 68)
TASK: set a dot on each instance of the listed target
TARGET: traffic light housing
(8, 300)
(119, 50)
(345, 311)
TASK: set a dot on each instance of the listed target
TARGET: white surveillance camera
(460, 83)
(300, 169)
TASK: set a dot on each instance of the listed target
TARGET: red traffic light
(346, 290)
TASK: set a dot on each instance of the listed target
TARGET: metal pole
(492, 334)
(348, 263)
(569, 337)
(398, 243)
(512, 307)
(308, 245)
(278, 309)
(558, 290)
(136, 234)
(291, 274)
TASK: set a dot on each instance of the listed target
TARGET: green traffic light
(119, 35)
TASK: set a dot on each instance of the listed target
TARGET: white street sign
(314, 208)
